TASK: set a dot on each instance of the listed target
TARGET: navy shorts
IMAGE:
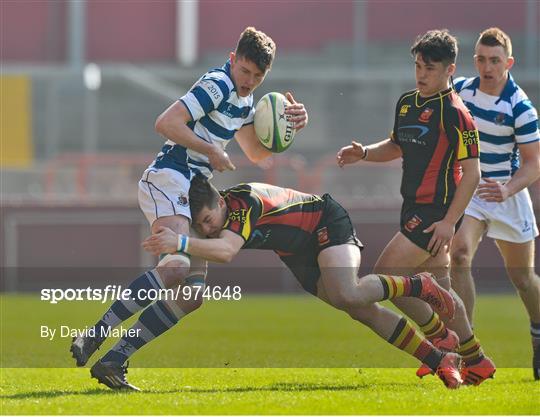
(415, 218)
(335, 228)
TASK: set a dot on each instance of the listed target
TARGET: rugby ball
(273, 129)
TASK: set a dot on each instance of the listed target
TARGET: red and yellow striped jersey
(434, 134)
(270, 217)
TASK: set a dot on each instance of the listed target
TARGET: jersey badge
(499, 119)
(183, 200)
(322, 236)
(413, 223)
(426, 115)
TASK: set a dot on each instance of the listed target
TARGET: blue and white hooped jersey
(217, 112)
(503, 122)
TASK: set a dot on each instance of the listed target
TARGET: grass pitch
(241, 341)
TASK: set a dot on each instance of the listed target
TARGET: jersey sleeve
(245, 209)
(462, 132)
(205, 96)
(526, 122)
(458, 83)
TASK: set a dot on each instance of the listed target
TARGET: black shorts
(415, 218)
(335, 228)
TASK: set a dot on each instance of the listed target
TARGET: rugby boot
(440, 300)
(449, 370)
(82, 347)
(536, 362)
(449, 343)
(479, 372)
(112, 374)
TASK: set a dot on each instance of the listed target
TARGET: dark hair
(256, 46)
(496, 37)
(436, 46)
(202, 194)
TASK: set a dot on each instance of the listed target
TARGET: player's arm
(443, 230)
(172, 124)
(528, 173)
(222, 249)
(463, 135)
(465, 190)
(250, 145)
(383, 151)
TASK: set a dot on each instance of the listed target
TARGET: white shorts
(512, 220)
(164, 192)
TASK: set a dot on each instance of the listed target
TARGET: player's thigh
(339, 269)
(400, 256)
(177, 223)
(467, 238)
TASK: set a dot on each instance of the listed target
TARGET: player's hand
(443, 232)
(296, 112)
(164, 240)
(492, 191)
(219, 160)
(350, 154)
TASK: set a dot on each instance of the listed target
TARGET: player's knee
(522, 279)
(189, 306)
(193, 290)
(174, 271)
(461, 256)
(365, 315)
(347, 300)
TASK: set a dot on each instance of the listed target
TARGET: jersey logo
(322, 236)
(238, 215)
(211, 89)
(228, 111)
(413, 223)
(414, 136)
(499, 119)
(183, 200)
(404, 109)
(425, 115)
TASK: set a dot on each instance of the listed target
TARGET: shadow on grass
(285, 386)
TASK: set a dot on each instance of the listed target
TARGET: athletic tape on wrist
(183, 243)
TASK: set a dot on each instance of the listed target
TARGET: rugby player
(315, 238)
(501, 208)
(198, 127)
(437, 139)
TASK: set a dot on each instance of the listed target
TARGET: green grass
(263, 355)
(265, 391)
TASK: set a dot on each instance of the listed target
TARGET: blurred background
(82, 83)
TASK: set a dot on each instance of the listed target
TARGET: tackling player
(315, 238)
